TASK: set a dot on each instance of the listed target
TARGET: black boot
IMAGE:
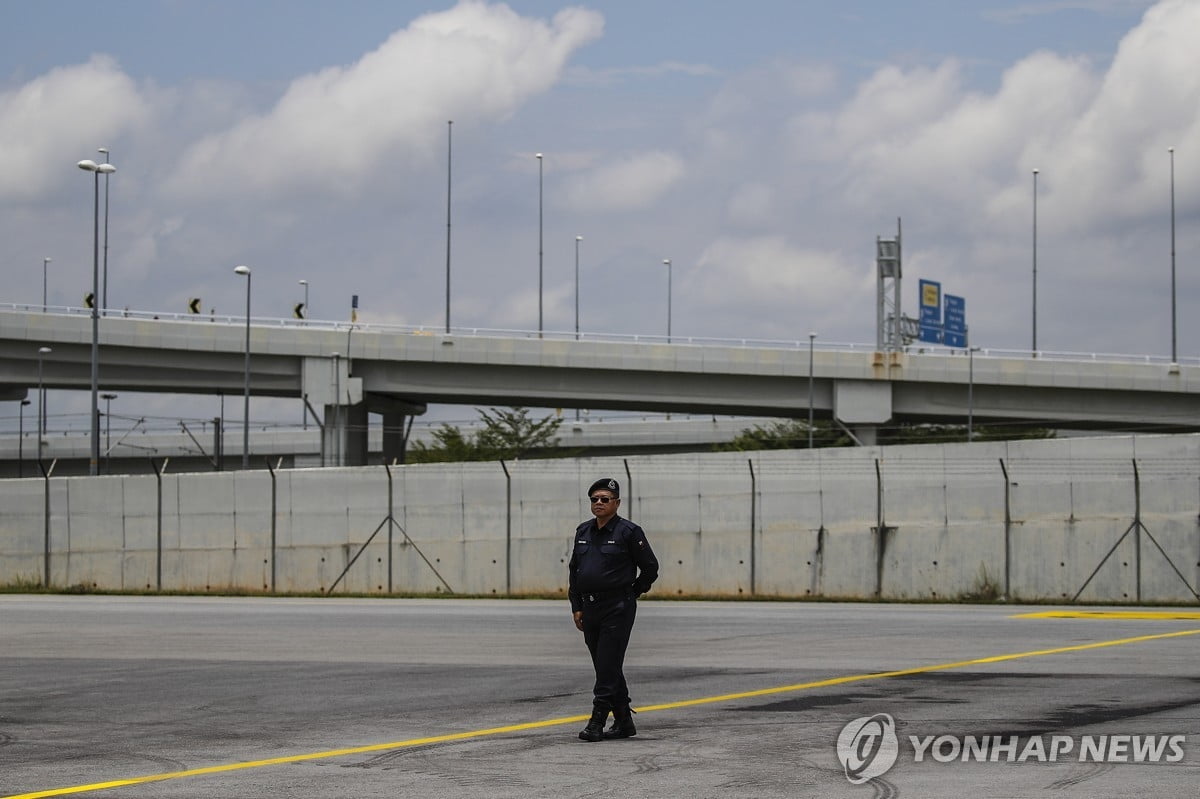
(622, 726)
(594, 731)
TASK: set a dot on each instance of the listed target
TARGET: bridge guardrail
(558, 335)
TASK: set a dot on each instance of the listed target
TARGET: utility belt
(604, 596)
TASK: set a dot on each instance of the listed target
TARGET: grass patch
(986, 589)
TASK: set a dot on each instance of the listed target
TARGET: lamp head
(242, 270)
(44, 350)
(87, 164)
(106, 169)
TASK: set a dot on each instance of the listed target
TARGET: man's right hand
(578, 616)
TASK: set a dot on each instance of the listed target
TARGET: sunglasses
(602, 500)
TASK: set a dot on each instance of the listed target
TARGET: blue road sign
(956, 322)
(931, 311)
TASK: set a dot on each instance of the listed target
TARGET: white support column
(327, 382)
(863, 405)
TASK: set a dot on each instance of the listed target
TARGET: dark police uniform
(609, 568)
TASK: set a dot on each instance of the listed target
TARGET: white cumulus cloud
(780, 281)
(59, 118)
(633, 181)
(474, 63)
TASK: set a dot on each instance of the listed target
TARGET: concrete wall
(914, 522)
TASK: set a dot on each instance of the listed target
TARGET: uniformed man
(611, 565)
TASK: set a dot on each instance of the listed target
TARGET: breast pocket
(611, 550)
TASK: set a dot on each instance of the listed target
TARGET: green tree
(511, 433)
(506, 434)
(906, 433)
(793, 434)
(785, 434)
(1010, 432)
(449, 445)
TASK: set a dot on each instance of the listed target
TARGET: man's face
(604, 504)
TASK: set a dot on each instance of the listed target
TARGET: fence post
(46, 513)
(158, 546)
(507, 529)
(1007, 532)
(271, 469)
(629, 486)
(391, 522)
(753, 497)
(816, 581)
(1137, 533)
(1136, 523)
(881, 531)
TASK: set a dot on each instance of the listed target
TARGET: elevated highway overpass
(345, 372)
(128, 448)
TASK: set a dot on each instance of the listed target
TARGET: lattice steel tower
(888, 316)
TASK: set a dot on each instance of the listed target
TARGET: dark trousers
(606, 628)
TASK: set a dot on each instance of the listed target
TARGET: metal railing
(563, 335)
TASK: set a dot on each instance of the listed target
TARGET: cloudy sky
(760, 145)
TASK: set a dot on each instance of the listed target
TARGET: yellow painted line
(918, 670)
(1161, 615)
(277, 761)
(533, 725)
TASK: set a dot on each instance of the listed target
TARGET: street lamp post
(245, 270)
(1035, 176)
(337, 409)
(303, 316)
(1174, 353)
(21, 439)
(811, 337)
(577, 240)
(970, 393)
(539, 160)
(449, 155)
(42, 353)
(108, 398)
(104, 289)
(97, 170)
(303, 409)
(667, 262)
(45, 263)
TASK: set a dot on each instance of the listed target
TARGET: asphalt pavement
(134, 697)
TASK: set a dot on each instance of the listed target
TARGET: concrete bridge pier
(345, 439)
(395, 443)
(347, 409)
(397, 414)
(867, 434)
(327, 382)
(863, 405)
